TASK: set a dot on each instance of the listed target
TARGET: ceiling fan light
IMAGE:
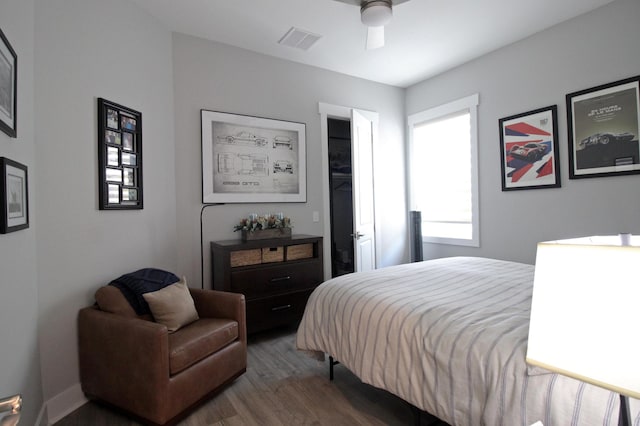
(376, 13)
(375, 37)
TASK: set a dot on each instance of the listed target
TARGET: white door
(363, 203)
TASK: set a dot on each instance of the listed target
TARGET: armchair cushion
(172, 306)
(198, 340)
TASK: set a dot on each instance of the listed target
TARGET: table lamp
(585, 313)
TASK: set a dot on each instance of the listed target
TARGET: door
(363, 202)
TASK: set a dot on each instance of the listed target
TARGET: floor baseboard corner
(64, 403)
(42, 419)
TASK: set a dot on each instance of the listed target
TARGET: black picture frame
(14, 191)
(8, 87)
(119, 157)
(603, 125)
(529, 150)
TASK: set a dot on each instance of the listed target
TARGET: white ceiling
(424, 38)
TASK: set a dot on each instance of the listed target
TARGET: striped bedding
(449, 336)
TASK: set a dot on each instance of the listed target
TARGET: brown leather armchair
(136, 365)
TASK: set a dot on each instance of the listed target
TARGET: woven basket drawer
(300, 251)
(246, 257)
(272, 254)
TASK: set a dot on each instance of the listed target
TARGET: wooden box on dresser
(275, 275)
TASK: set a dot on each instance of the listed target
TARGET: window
(444, 172)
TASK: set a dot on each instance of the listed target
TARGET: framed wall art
(251, 159)
(529, 150)
(14, 191)
(8, 87)
(603, 124)
(119, 157)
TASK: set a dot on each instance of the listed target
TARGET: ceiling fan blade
(359, 2)
(375, 37)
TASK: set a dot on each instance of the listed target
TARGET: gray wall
(84, 49)
(217, 77)
(20, 363)
(594, 49)
(87, 49)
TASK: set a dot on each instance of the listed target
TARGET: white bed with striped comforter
(449, 336)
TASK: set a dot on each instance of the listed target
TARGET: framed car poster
(603, 124)
(252, 159)
(529, 150)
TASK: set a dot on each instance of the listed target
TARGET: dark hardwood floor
(282, 386)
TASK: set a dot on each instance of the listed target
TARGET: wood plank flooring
(282, 386)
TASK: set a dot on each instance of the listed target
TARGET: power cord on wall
(202, 242)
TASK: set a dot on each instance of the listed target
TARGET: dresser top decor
(264, 227)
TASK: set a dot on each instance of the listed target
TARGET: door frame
(344, 113)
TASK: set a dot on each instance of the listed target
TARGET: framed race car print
(529, 150)
(603, 124)
(249, 159)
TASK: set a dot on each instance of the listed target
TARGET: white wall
(87, 49)
(19, 360)
(218, 77)
(593, 49)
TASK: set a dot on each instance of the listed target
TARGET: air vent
(300, 39)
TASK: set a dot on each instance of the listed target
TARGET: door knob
(357, 235)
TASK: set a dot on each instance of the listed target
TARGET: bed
(449, 337)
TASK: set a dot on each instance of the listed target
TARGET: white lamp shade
(585, 313)
(376, 14)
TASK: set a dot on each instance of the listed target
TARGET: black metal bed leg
(332, 362)
(331, 368)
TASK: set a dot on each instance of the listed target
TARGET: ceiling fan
(375, 14)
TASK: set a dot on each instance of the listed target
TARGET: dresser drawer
(274, 311)
(276, 279)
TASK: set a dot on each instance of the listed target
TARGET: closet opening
(341, 196)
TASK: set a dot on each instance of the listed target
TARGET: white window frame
(470, 104)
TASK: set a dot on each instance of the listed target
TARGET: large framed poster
(249, 159)
(604, 123)
(529, 150)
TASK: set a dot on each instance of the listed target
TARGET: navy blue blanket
(135, 284)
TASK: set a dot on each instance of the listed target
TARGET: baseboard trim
(64, 403)
(42, 416)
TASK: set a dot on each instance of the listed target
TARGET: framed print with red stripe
(529, 150)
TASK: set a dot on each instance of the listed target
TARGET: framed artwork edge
(10, 128)
(23, 189)
(553, 110)
(633, 84)
(268, 144)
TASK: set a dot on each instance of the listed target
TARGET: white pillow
(172, 305)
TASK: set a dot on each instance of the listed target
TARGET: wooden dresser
(276, 276)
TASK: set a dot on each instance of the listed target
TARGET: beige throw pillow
(172, 306)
